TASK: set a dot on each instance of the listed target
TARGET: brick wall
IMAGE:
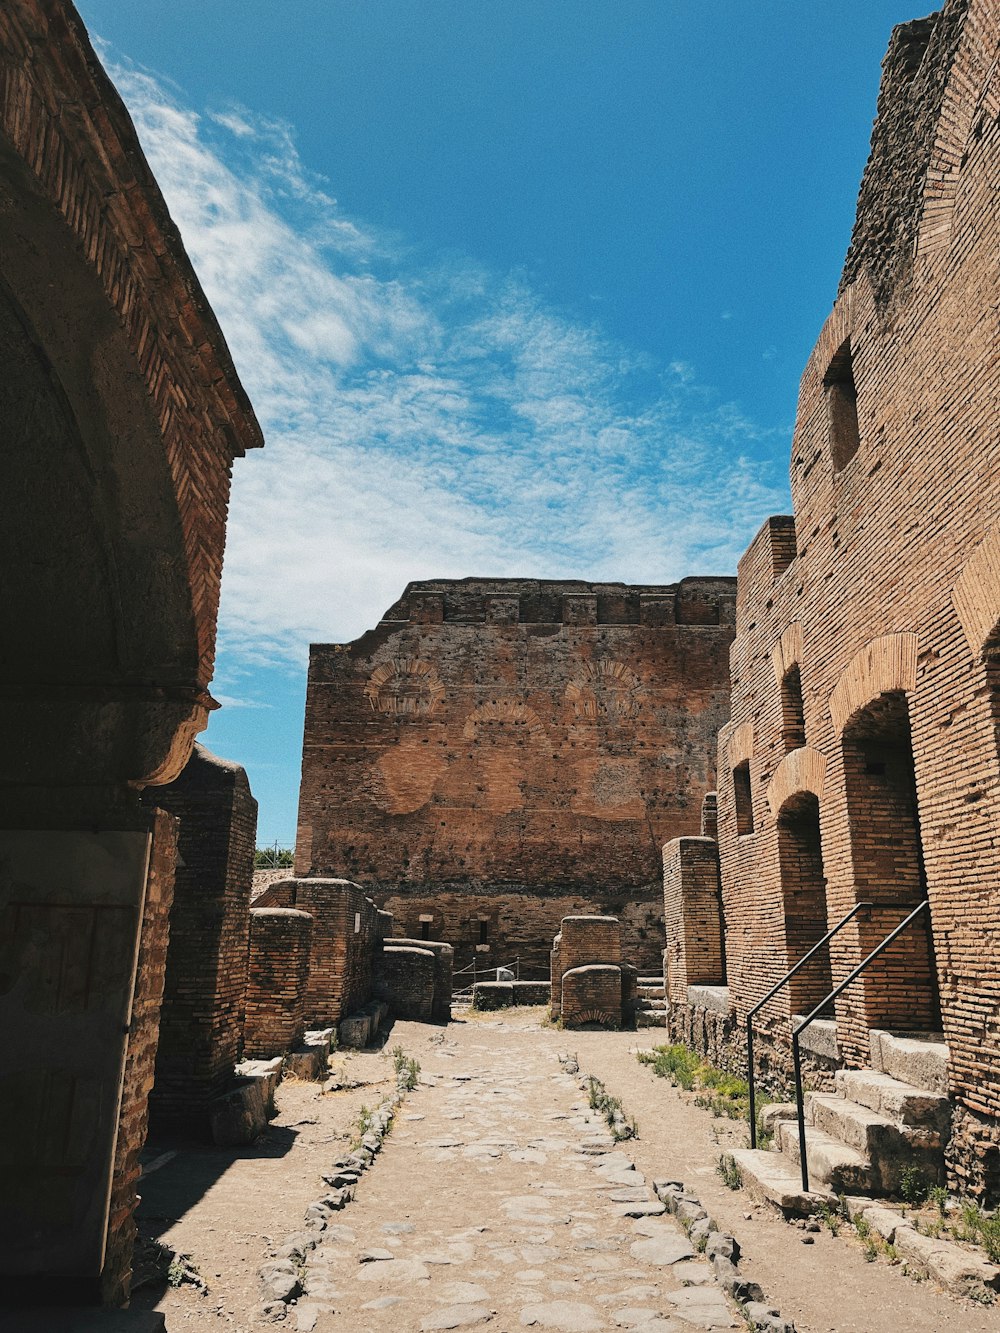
(692, 916)
(493, 741)
(202, 1012)
(592, 995)
(444, 958)
(885, 592)
(589, 939)
(518, 923)
(140, 1059)
(277, 978)
(347, 932)
(404, 978)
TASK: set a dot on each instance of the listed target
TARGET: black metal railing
(770, 996)
(797, 1032)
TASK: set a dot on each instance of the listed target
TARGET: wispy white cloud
(425, 418)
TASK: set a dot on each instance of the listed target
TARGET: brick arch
(886, 665)
(739, 747)
(801, 770)
(787, 652)
(976, 594)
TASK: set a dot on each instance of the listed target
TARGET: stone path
(499, 1200)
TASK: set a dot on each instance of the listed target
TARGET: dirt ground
(486, 1209)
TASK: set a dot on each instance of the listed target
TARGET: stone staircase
(860, 1138)
(651, 1010)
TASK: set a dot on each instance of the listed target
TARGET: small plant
(989, 1236)
(938, 1196)
(869, 1248)
(970, 1221)
(830, 1219)
(407, 1069)
(181, 1270)
(729, 1172)
(913, 1185)
(862, 1227)
(365, 1121)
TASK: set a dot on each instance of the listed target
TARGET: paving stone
(669, 1248)
(566, 1316)
(397, 1272)
(457, 1316)
(704, 1307)
(398, 1228)
(382, 1303)
(629, 1316)
(639, 1209)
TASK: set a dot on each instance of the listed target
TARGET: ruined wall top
(915, 74)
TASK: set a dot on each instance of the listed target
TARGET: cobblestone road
(499, 1200)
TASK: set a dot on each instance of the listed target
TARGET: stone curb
(281, 1276)
(724, 1252)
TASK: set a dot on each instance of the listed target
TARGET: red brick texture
(140, 1059)
(404, 978)
(514, 751)
(884, 592)
(444, 957)
(277, 978)
(692, 916)
(588, 986)
(347, 934)
(202, 1013)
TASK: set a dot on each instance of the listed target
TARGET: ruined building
(121, 416)
(861, 763)
(500, 753)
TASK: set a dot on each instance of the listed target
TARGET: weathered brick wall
(692, 916)
(889, 601)
(592, 995)
(277, 978)
(518, 923)
(502, 739)
(347, 932)
(589, 939)
(201, 1016)
(404, 978)
(444, 958)
(140, 1059)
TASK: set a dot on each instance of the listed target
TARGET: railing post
(801, 1111)
(753, 1096)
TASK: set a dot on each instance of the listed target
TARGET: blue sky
(521, 287)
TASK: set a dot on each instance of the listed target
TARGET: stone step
(920, 1059)
(894, 1099)
(660, 1005)
(652, 992)
(650, 981)
(831, 1163)
(771, 1178)
(651, 1018)
(857, 1126)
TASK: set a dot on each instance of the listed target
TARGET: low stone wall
(592, 994)
(277, 976)
(973, 1157)
(508, 994)
(444, 957)
(404, 979)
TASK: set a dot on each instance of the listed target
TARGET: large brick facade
(861, 760)
(498, 754)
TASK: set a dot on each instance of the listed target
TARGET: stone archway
(120, 414)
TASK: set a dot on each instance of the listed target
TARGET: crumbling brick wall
(692, 916)
(497, 754)
(347, 934)
(587, 972)
(277, 978)
(404, 978)
(444, 957)
(883, 592)
(202, 1010)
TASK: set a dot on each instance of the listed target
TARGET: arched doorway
(803, 889)
(900, 989)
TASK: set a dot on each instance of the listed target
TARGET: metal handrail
(770, 996)
(796, 1032)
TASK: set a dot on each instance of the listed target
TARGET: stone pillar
(588, 954)
(201, 1018)
(277, 976)
(692, 917)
